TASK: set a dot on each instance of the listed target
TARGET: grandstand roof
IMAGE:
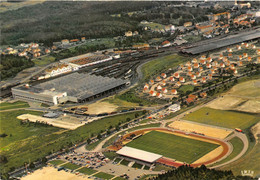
(139, 154)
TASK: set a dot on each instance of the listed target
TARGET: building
(73, 87)
(65, 41)
(128, 33)
(187, 24)
(174, 107)
(59, 69)
(139, 156)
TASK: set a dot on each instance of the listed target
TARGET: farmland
(32, 141)
(173, 146)
(228, 119)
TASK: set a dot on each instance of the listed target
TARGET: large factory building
(74, 87)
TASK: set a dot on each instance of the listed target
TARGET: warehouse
(139, 156)
(74, 87)
(220, 43)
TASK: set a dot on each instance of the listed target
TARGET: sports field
(222, 118)
(172, 146)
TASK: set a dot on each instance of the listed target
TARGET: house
(238, 47)
(235, 71)
(164, 90)
(171, 79)
(194, 82)
(206, 28)
(47, 51)
(74, 40)
(239, 57)
(212, 71)
(209, 59)
(83, 39)
(203, 80)
(198, 74)
(24, 53)
(176, 75)
(191, 98)
(188, 63)
(128, 33)
(65, 41)
(59, 69)
(240, 63)
(189, 68)
(166, 44)
(152, 93)
(249, 59)
(158, 78)
(258, 59)
(253, 46)
(146, 86)
(230, 55)
(34, 45)
(174, 91)
(159, 95)
(196, 65)
(203, 57)
(208, 65)
(203, 94)
(189, 73)
(182, 79)
(193, 77)
(232, 66)
(245, 55)
(201, 69)
(225, 59)
(194, 60)
(159, 87)
(229, 50)
(145, 89)
(163, 75)
(215, 63)
(258, 51)
(135, 33)
(222, 65)
(178, 84)
(220, 56)
(187, 24)
(163, 83)
(151, 82)
(202, 62)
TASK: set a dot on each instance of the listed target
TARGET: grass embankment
(15, 105)
(172, 146)
(157, 66)
(228, 119)
(31, 141)
(237, 148)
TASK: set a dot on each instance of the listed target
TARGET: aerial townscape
(165, 90)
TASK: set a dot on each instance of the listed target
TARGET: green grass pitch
(172, 146)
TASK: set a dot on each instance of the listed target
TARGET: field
(100, 107)
(57, 162)
(44, 60)
(17, 104)
(228, 119)
(186, 88)
(103, 175)
(158, 65)
(173, 146)
(87, 171)
(70, 166)
(242, 97)
(32, 141)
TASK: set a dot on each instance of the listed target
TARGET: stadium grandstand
(75, 87)
(139, 156)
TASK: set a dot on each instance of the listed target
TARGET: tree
(3, 159)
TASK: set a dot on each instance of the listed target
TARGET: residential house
(163, 75)
(174, 91)
(164, 90)
(176, 75)
(182, 79)
(65, 41)
(171, 79)
(152, 93)
(128, 33)
(194, 82)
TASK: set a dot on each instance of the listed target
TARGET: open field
(57, 162)
(52, 173)
(87, 171)
(70, 166)
(44, 60)
(212, 154)
(228, 119)
(200, 128)
(103, 175)
(101, 107)
(186, 88)
(17, 104)
(242, 97)
(7, 6)
(248, 162)
(32, 141)
(158, 65)
(173, 146)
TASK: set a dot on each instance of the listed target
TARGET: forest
(202, 173)
(10, 65)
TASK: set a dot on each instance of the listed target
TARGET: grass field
(30, 142)
(138, 166)
(125, 162)
(228, 119)
(70, 166)
(15, 105)
(103, 175)
(173, 146)
(237, 148)
(158, 65)
(57, 162)
(87, 171)
(186, 88)
(44, 60)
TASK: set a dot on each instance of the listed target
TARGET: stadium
(74, 87)
(169, 147)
